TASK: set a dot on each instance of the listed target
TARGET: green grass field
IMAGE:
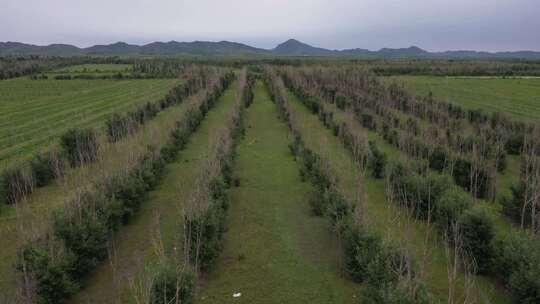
(34, 114)
(519, 97)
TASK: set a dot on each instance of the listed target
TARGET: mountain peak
(291, 47)
(298, 48)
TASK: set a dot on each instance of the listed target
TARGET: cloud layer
(494, 25)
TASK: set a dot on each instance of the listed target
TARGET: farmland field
(34, 113)
(96, 68)
(519, 97)
(269, 183)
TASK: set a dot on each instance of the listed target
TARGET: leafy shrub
(514, 144)
(516, 259)
(513, 205)
(341, 102)
(80, 145)
(167, 284)
(119, 126)
(52, 274)
(462, 176)
(377, 160)
(438, 159)
(361, 247)
(84, 235)
(477, 232)
(15, 183)
(206, 230)
(45, 167)
(451, 205)
(423, 192)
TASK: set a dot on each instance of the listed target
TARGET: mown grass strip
(34, 112)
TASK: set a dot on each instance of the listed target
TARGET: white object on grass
(236, 295)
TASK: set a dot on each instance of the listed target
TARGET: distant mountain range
(290, 47)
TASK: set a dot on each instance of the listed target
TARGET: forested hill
(290, 47)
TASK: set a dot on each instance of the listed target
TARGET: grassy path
(391, 221)
(35, 212)
(275, 250)
(161, 215)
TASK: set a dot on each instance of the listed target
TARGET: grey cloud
(432, 24)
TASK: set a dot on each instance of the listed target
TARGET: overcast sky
(493, 25)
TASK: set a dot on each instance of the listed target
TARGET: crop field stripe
(518, 97)
(37, 209)
(100, 105)
(275, 250)
(391, 221)
(134, 245)
(51, 114)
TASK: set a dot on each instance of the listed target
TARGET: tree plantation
(269, 179)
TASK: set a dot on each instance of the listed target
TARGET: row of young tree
(468, 145)
(466, 226)
(390, 272)
(80, 146)
(205, 212)
(54, 262)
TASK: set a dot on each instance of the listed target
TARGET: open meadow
(517, 96)
(34, 113)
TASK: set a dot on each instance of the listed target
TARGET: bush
(450, 207)
(85, 237)
(367, 121)
(318, 201)
(207, 228)
(361, 247)
(341, 102)
(514, 144)
(119, 126)
(525, 285)
(477, 232)
(513, 205)
(80, 145)
(168, 283)
(45, 167)
(423, 192)
(15, 183)
(53, 282)
(516, 258)
(438, 159)
(376, 161)
(206, 236)
(462, 176)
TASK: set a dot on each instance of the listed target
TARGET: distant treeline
(116, 75)
(164, 67)
(11, 67)
(452, 67)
